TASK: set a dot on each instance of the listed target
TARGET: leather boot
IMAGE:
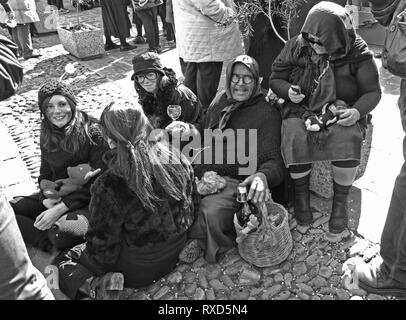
(105, 287)
(339, 215)
(301, 204)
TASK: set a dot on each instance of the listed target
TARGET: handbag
(394, 51)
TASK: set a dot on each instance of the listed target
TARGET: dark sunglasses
(235, 78)
(150, 76)
(311, 39)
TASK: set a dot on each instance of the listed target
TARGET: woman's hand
(259, 191)
(348, 117)
(178, 128)
(295, 95)
(48, 217)
(49, 203)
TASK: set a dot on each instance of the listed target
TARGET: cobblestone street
(315, 268)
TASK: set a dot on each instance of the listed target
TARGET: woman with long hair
(68, 137)
(141, 209)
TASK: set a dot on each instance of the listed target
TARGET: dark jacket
(156, 107)
(54, 166)
(255, 115)
(117, 217)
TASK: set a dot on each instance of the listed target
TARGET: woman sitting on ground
(326, 63)
(157, 88)
(69, 137)
(233, 117)
(141, 209)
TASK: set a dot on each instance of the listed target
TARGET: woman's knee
(69, 231)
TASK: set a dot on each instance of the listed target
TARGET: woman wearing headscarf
(242, 122)
(68, 137)
(326, 67)
(141, 209)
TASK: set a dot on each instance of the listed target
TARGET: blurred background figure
(116, 23)
(59, 5)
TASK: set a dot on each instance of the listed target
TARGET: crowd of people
(139, 212)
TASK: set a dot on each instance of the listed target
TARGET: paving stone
(303, 296)
(313, 259)
(190, 277)
(212, 271)
(302, 229)
(199, 263)
(305, 288)
(230, 259)
(233, 269)
(316, 215)
(302, 278)
(325, 272)
(268, 281)
(153, 288)
(240, 294)
(270, 271)
(141, 295)
(299, 269)
(270, 292)
(203, 280)
(227, 281)
(210, 294)
(314, 271)
(286, 266)
(190, 289)
(249, 277)
(318, 282)
(342, 294)
(217, 285)
(358, 292)
(161, 292)
(255, 291)
(175, 277)
(296, 236)
(373, 296)
(327, 298)
(288, 279)
(326, 291)
(335, 280)
(316, 231)
(316, 298)
(356, 298)
(284, 295)
(278, 277)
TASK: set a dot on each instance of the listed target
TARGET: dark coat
(54, 165)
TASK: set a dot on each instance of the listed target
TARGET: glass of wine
(174, 111)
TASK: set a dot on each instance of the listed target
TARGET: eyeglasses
(150, 76)
(246, 79)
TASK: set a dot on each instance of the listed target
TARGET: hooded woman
(325, 63)
(68, 137)
(242, 122)
(141, 209)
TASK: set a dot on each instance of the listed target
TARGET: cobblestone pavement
(315, 268)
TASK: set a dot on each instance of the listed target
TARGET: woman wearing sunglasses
(327, 62)
(157, 88)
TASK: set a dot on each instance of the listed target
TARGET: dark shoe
(107, 286)
(374, 277)
(339, 215)
(127, 47)
(301, 205)
(191, 252)
(111, 46)
(34, 54)
(139, 40)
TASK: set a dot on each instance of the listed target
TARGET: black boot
(339, 215)
(302, 210)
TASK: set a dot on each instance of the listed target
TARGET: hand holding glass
(174, 111)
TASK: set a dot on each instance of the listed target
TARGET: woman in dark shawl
(116, 23)
(325, 63)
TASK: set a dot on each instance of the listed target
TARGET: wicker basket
(269, 245)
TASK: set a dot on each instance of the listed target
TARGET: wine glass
(174, 111)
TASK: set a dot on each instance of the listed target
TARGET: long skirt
(336, 143)
(115, 18)
(214, 221)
